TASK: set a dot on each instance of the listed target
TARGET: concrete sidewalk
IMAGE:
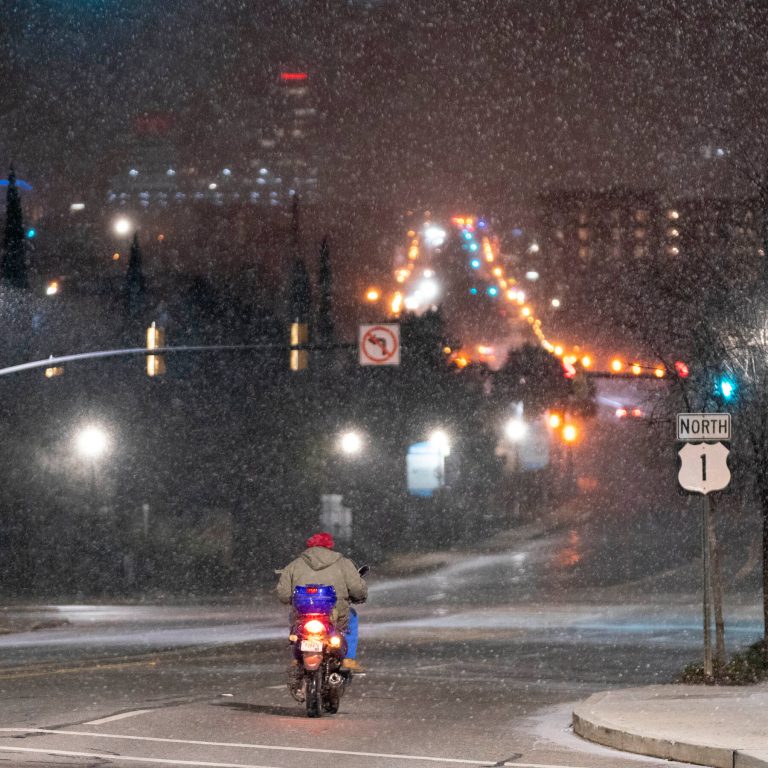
(726, 727)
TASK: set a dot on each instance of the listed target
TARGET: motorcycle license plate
(312, 645)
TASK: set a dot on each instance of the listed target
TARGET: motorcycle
(318, 649)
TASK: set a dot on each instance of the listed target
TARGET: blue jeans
(350, 635)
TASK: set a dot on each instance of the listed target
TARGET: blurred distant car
(629, 413)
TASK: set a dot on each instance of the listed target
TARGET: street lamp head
(516, 430)
(351, 443)
(441, 441)
(122, 226)
(92, 442)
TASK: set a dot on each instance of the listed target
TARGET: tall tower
(290, 140)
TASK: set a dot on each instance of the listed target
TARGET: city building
(273, 151)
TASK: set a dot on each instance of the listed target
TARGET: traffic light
(682, 370)
(299, 358)
(155, 340)
(725, 387)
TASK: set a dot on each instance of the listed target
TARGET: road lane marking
(271, 747)
(112, 758)
(96, 667)
(119, 716)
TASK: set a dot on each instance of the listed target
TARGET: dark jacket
(318, 565)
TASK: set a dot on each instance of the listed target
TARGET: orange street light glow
(570, 433)
(636, 369)
(373, 294)
(555, 420)
(659, 373)
(586, 361)
(616, 365)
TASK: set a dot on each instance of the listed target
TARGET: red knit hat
(321, 539)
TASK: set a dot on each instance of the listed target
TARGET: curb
(593, 728)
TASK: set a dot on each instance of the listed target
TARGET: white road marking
(118, 758)
(120, 716)
(271, 747)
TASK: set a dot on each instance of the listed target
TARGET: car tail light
(621, 413)
(637, 413)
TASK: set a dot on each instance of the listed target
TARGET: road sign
(704, 426)
(426, 469)
(380, 344)
(704, 467)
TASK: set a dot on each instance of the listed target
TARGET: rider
(319, 564)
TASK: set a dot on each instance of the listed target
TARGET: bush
(745, 668)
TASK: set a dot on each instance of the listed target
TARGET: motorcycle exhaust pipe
(335, 680)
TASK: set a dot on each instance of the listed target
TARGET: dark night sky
(453, 101)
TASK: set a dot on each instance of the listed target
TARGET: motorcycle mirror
(363, 569)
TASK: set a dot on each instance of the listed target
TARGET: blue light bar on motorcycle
(314, 598)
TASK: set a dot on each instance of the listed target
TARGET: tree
(325, 325)
(720, 331)
(14, 266)
(134, 289)
(534, 377)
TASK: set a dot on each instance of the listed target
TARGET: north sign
(714, 427)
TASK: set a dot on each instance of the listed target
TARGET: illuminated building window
(641, 216)
(640, 233)
(583, 234)
(583, 252)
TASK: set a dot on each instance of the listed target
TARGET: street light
(440, 440)
(92, 442)
(516, 430)
(351, 443)
(122, 226)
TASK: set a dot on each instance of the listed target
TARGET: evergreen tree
(14, 267)
(325, 326)
(135, 286)
(300, 297)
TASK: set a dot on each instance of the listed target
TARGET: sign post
(704, 469)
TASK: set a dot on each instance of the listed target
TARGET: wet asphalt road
(475, 664)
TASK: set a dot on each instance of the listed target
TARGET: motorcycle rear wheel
(314, 691)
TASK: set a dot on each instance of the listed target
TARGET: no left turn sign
(379, 344)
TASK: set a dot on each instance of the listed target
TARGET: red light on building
(288, 77)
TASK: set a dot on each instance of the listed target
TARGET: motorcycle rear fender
(312, 660)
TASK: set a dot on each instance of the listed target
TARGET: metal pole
(708, 670)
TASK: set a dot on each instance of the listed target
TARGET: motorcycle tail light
(315, 627)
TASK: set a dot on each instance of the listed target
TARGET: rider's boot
(296, 681)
